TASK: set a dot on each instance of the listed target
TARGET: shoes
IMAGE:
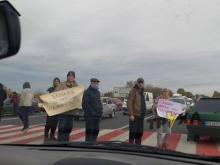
(159, 146)
(165, 146)
(46, 140)
(26, 129)
(53, 139)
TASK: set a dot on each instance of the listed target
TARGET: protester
(66, 119)
(51, 121)
(136, 105)
(15, 100)
(92, 107)
(162, 123)
(3, 97)
(25, 103)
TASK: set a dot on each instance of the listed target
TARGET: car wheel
(76, 118)
(124, 114)
(113, 114)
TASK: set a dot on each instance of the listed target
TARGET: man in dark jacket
(3, 96)
(137, 108)
(93, 110)
(51, 121)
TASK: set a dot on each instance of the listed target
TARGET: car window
(181, 101)
(208, 106)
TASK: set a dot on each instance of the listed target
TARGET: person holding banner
(51, 121)
(136, 108)
(65, 125)
(93, 110)
(162, 123)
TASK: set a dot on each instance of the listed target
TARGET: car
(109, 109)
(9, 107)
(204, 119)
(118, 103)
(190, 102)
(182, 101)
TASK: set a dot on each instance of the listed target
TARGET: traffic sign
(120, 91)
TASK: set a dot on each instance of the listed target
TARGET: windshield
(208, 105)
(74, 52)
(181, 101)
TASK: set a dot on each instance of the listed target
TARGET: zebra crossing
(12, 134)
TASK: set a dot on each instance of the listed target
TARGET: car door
(109, 106)
(8, 106)
(104, 105)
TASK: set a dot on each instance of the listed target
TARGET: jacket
(134, 102)
(3, 95)
(27, 95)
(91, 103)
(66, 85)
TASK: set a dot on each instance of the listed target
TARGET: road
(111, 129)
(120, 121)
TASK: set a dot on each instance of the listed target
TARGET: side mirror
(188, 103)
(10, 31)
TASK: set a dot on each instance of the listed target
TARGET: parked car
(9, 107)
(109, 109)
(182, 101)
(204, 119)
(117, 102)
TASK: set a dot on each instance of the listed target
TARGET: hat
(56, 78)
(140, 80)
(71, 73)
(94, 80)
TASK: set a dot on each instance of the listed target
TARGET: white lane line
(5, 126)
(19, 118)
(186, 146)
(128, 125)
(151, 140)
(41, 141)
(121, 137)
(20, 132)
(11, 129)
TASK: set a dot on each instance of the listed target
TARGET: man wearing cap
(51, 121)
(66, 119)
(136, 105)
(93, 110)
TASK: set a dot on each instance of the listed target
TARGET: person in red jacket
(15, 100)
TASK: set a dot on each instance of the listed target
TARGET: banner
(63, 101)
(165, 106)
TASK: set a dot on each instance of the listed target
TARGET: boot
(52, 137)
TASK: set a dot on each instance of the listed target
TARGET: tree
(215, 94)
(108, 94)
(189, 95)
(181, 91)
(130, 84)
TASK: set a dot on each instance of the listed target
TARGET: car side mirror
(10, 31)
(188, 103)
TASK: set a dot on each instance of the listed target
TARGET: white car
(182, 101)
(109, 109)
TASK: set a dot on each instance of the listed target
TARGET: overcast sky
(169, 43)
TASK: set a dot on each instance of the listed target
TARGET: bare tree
(130, 84)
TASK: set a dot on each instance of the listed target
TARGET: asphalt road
(120, 121)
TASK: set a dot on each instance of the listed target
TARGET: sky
(169, 43)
